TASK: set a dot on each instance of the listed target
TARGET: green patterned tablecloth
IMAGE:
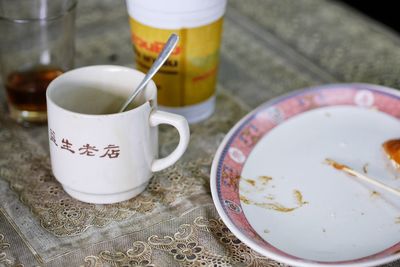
(269, 47)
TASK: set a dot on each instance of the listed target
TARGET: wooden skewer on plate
(361, 176)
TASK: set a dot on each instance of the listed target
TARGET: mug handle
(180, 123)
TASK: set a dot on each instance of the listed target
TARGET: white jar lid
(176, 14)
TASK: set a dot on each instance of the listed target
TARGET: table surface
(269, 48)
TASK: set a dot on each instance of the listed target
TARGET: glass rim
(73, 5)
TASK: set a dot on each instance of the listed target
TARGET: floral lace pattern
(238, 253)
(3, 246)
(65, 216)
(186, 248)
(27, 169)
(4, 260)
(137, 256)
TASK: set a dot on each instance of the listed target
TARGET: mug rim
(54, 82)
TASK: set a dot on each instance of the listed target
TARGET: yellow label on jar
(189, 75)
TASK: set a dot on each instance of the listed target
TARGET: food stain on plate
(269, 197)
(275, 206)
(338, 166)
(245, 200)
(271, 205)
(375, 194)
(251, 182)
(255, 185)
(265, 179)
(299, 197)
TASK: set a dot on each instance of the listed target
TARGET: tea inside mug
(95, 100)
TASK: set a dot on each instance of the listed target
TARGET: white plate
(273, 190)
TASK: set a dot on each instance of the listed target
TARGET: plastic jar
(186, 83)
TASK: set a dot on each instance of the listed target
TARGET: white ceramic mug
(100, 156)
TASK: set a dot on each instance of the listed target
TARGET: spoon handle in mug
(162, 57)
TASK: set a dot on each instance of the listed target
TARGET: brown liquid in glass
(26, 89)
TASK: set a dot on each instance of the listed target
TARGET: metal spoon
(166, 51)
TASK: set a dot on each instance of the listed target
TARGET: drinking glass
(36, 45)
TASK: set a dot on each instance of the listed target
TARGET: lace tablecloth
(269, 48)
